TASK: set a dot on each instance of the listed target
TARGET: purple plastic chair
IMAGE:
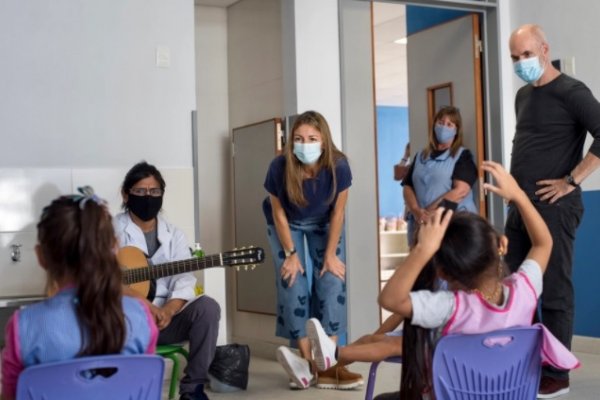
(373, 375)
(115, 377)
(504, 364)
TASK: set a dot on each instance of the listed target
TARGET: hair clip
(87, 193)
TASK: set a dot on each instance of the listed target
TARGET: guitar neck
(171, 268)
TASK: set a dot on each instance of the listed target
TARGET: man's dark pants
(557, 300)
(197, 323)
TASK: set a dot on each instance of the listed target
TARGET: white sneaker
(323, 347)
(293, 386)
(297, 368)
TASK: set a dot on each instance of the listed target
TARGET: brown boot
(338, 378)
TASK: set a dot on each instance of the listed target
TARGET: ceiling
(390, 58)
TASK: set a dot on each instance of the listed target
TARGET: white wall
(571, 29)
(316, 76)
(25, 191)
(255, 66)
(255, 94)
(507, 79)
(80, 86)
(82, 101)
(213, 148)
(358, 105)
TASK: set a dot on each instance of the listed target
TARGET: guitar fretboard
(171, 268)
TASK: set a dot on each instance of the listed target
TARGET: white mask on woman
(308, 153)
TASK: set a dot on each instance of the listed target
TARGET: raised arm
(395, 296)
(507, 187)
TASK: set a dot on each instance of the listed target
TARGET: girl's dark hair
(138, 172)
(77, 242)
(417, 347)
(468, 250)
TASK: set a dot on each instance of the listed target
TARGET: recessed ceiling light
(401, 41)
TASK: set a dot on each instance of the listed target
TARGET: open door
(254, 147)
(444, 68)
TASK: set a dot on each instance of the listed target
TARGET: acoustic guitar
(137, 273)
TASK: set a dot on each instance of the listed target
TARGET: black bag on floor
(230, 368)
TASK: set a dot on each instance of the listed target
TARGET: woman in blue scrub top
(443, 170)
(308, 189)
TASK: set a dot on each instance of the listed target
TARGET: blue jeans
(310, 296)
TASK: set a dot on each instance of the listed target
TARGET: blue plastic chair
(373, 375)
(136, 377)
(504, 364)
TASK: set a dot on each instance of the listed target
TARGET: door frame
(358, 120)
(489, 119)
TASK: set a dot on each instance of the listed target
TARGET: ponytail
(77, 239)
(99, 285)
(417, 348)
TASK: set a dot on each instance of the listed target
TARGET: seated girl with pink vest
(466, 252)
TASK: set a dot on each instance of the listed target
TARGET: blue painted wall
(392, 136)
(586, 271)
(419, 18)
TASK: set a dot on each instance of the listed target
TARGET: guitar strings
(147, 273)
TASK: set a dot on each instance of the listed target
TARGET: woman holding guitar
(179, 314)
(308, 187)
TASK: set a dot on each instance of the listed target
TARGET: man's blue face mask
(529, 69)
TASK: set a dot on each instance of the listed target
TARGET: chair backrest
(99, 377)
(504, 364)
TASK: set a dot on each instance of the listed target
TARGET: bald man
(554, 113)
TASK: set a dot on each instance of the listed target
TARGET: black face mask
(144, 207)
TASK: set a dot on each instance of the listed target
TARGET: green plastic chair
(170, 351)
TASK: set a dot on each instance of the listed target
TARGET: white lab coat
(173, 247)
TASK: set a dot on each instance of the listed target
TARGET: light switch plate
(163, 57)
(569, 66)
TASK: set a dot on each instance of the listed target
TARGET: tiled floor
(268, 381)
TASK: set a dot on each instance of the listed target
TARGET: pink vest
(473, 314)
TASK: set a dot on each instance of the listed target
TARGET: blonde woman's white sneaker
(323, 347)
(297, 368)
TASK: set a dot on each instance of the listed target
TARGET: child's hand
(506, 186)
(432, 231)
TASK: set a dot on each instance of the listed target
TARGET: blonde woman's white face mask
(308, 153)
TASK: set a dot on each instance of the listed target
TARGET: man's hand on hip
(553, 189)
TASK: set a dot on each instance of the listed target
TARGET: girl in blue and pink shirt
(88, 314)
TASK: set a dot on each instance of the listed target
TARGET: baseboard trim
(586, 344)
(260, 348)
